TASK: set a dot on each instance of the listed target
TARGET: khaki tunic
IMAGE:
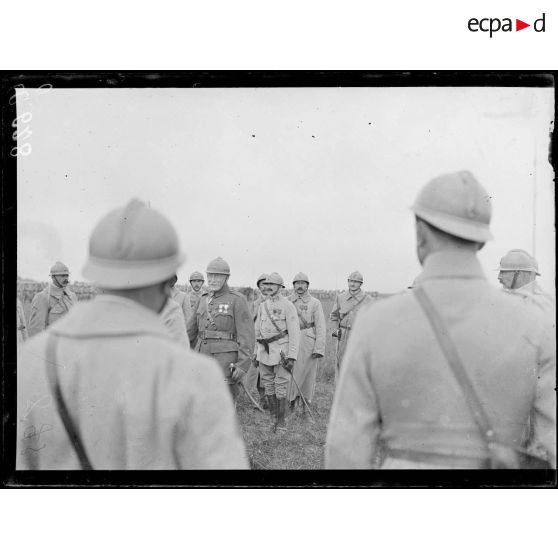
(184, 302)
(396, 388)
(226, 313)
(312, 340)
(48, 306)
(139, 399)
(285, 316)
(343, 315)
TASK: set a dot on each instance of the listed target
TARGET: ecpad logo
(493, 25)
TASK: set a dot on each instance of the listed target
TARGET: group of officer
(113, 384)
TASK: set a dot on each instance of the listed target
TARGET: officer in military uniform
(196, 282)
(106, 387)
(222, 326)
(253, 377)
(312, 341)
(402, 386)
(53, 302)
(343, 314)
(278, 337)
(518, 273)
(183, 300)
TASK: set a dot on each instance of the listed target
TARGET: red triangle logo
(519, 25)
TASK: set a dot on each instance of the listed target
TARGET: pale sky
(318, 180)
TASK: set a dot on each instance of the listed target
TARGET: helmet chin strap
(514, 280)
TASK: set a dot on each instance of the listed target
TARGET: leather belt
(345, 327)
(308, 326)
(217, 335)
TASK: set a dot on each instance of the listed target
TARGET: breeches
(275, 379)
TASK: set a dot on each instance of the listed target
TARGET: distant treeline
(28, 288)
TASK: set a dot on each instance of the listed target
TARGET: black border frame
(220, 479)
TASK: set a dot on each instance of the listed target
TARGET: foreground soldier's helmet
(261, 278)
(356, 276)
(275, 279)
(132, 246)
(218, 265)
(519, 260)
(59, 269)
(301, 277)
(456, 204)
(196, 276)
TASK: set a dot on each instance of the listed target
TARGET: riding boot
(293, 405)
(281, 407)
(272, 402)
(263, 400)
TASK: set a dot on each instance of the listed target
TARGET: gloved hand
(289, 365)
(316, 355)
(237, 374)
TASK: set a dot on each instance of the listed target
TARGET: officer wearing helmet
(196, 282)
(400, 384)
(123, 393)
(278, 338)
(253, 377)
(222, 326)
(344, 312)
(53, 302)
(518, 273)
(312, 341)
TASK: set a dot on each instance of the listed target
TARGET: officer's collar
(55, 290)
(451, 263)
(355, 295)
(223, 290)
(305, 297)
(275, 297)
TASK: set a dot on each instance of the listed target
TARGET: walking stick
(283, 360)
(232, 367)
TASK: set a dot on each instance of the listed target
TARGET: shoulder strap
(456, 366)
(347, 313)
(301, 317)
(61, 404)
(271, 317)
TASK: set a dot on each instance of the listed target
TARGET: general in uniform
(222, 326)
(278, 338)
(344, 312)
(53, 302)
(397, 386)
(253, 377)
(106, 387)
(312, 340)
